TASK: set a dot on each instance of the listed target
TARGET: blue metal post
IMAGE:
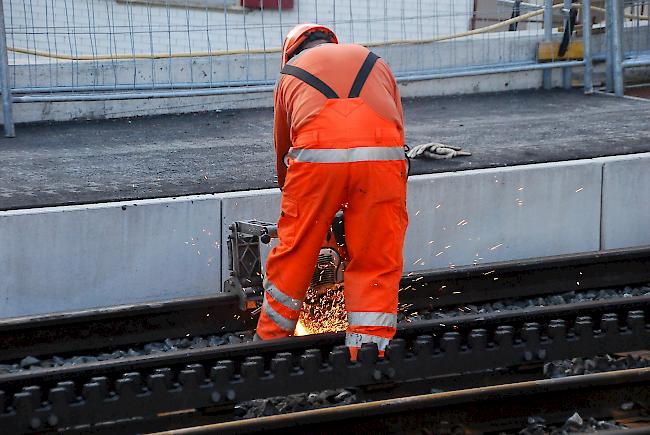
(10, 131)
(609, 67)
(586, 36)
(617, 47)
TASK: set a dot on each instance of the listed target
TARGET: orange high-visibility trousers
(373, 195)
(348, 156)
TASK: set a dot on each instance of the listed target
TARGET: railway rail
(414, 361)
(495, 409)
(202, 386)
(106, 328)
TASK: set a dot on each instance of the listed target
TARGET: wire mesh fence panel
(101, 48)
(636, 33)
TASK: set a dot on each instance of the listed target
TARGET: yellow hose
(630, 16)
(486, 29)
(482, 30)
(139, 56)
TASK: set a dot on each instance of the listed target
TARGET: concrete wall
(492, 215)
(76, 257)
(626, 202)
(75, 110)
(490, 49)
(493, 48)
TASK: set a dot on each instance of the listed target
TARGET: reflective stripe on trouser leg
(372, 319)
(277, 318)
(281, 297)
(354, 339)
(347, 155)
(310, 205)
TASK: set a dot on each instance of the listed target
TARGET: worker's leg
(375, 224)
(311, 196)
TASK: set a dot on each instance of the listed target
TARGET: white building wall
(102, 27)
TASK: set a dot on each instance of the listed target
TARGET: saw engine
(245, 260)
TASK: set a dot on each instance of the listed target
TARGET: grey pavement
(108, 160)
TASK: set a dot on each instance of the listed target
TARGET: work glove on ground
(435, 150)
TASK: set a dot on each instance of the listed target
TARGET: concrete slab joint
(626, 201)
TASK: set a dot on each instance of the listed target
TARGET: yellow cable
(486, 29)
(482, 30)
(630, 16)
(139, 56)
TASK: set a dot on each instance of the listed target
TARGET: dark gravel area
(122, 159)
(302, 402)
(536, 425)
(169, 345)
(198, 342)
(572, 297)
(574, 424)
(295, 403)
(598, 364)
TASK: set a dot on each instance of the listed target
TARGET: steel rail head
(448, 404)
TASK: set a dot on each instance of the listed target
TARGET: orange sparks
(323, 311)
(301, 329)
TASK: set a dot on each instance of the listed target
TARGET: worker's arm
(394, 111)
(281, 135)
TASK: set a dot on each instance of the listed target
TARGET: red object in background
(268, 4)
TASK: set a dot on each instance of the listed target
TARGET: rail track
(499, 409)
(107, 328)
(191, 387)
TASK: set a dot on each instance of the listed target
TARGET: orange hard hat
(299, 34)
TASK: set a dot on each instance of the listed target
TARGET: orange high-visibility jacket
(336, 66)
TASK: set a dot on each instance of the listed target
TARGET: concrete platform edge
(79, 257)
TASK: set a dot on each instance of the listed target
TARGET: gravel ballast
(404, 316)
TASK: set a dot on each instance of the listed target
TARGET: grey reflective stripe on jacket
(372, 319)
(354, 339)
(348, 155)
(279, 319)
(281, 297)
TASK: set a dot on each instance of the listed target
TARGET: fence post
(10, 131)
(566, 72)
(586, 36)
(609, 66)
(616, 55)
(548, 36)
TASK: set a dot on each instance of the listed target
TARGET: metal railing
(89, 50)
(628, 40)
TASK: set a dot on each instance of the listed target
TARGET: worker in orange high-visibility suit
(339, 140)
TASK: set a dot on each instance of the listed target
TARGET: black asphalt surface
(108, 160)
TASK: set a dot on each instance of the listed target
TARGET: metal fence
(628, 40)
(76, 50)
